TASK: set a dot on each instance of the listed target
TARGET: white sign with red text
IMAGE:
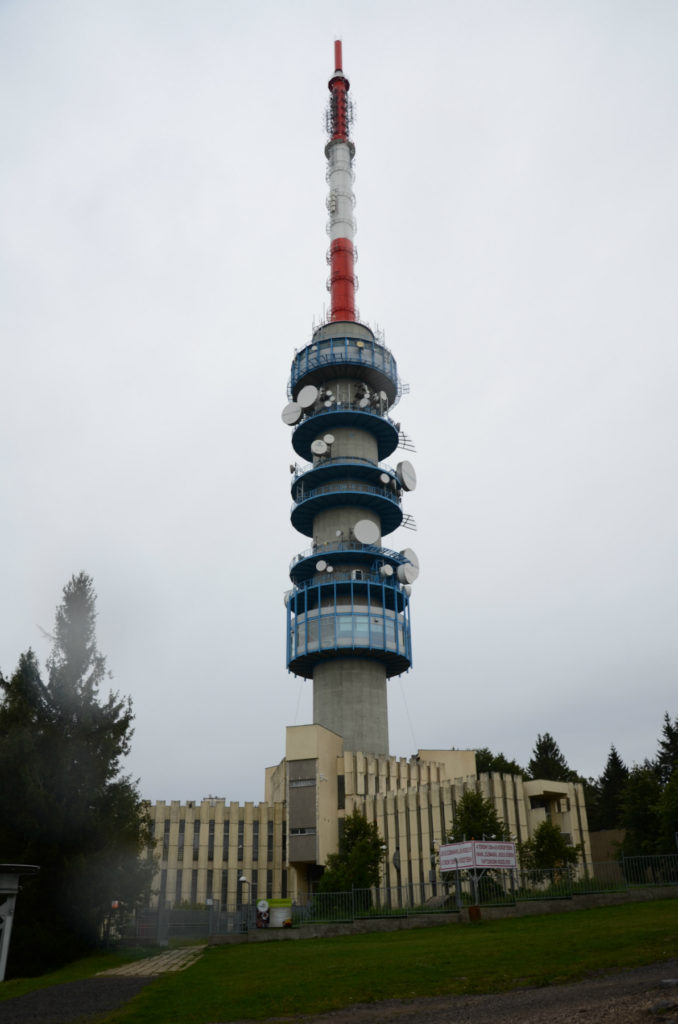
(474, 854)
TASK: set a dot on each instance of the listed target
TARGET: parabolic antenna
(407, 475)
(407, 573)
(385, 479)
(321, 565)
(386, 570)
(383, 396)
(330, 568)
(366, 532)
(308, 396)
(318, 447)
(291, 414)
(328, 439)
(363, 403)
(408, 589)
(411, 556)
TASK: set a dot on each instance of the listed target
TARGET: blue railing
(352, 486)
(331, 547)
(351, 351)
(349, 460)
(350, 575)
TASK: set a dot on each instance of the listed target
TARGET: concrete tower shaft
(348, 626)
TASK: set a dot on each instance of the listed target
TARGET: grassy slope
(278, 978)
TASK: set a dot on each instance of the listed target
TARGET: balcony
(381, 500)
(327, 359)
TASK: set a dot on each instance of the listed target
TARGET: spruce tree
(69, 808)
(611, 785)
(476, 818)
(547, 761)
(666, 760)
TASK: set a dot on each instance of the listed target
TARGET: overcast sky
(163, 248)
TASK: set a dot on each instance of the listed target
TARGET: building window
(227, 833)
(301, 783)
(224, 889)
(341, 792)
(177, 891)
(310, 831)
(254, 895)
(194, 886)
(255, 840)
(284, 885)
(210, 841)
(269, 844)
(269, 884)
(196, 839)
(210, 884)
(162, 897)
(182, 836)
(241, 839)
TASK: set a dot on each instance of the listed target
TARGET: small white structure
(9, 887)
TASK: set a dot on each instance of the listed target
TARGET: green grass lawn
(315, 975)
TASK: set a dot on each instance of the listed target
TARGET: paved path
(91, 998)
(172, 960)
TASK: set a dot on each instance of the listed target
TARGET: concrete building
(348, 630)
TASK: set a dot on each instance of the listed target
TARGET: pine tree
(666, 760)
(548, 849)
(610, 786)
(69, 809)
(547, 761)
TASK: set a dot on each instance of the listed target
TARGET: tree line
(642, 800)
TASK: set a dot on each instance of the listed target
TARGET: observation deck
(356, 617)
(341, 350)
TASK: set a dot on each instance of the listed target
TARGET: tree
(606, 810)
(476, 818)
(547, 761)
(547, 849)
(640, 811)
(357, 865)
(667, 809)
(666, 760)
(69, 808)
(486, 761)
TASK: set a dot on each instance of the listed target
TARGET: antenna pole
(340, 152)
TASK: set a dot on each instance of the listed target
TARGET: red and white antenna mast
(340, 152)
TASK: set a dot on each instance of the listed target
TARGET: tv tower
(348, 612)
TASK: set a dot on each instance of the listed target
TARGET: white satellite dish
(363, 403)
(328, 439)
(318, 447)
(383, 396)
(366, 532)
(321, 565)
(308, 396)
(385, 479)
(386, 570)
(407, 573)
(291, 414)
(410, 555)
(407, 475)
(408, 589)
(330, 568)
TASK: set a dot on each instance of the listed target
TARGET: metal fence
(450, 894)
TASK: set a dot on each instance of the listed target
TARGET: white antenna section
(411, 556)
(328, 439)
(407, 573)
(318, 447)
(321, 565)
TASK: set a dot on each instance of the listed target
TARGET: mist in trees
(68, 808)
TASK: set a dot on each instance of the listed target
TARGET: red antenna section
(340, 202)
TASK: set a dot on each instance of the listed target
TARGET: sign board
(474, 854)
